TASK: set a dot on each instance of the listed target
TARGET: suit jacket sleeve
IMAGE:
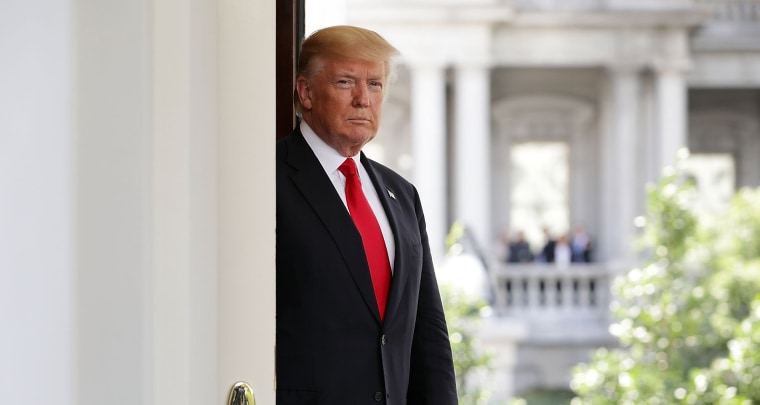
(431, 379)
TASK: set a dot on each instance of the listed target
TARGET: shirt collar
(328, 157)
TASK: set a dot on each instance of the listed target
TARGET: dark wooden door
(290, 32)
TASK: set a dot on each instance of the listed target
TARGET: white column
(670, 115)
(184, 172)
(246, 197)
(472, 151)
(113, 125)
(618, 154)
(429, 150)
(37, 272)
(649, 131)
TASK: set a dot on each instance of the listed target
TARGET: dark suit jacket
(332, 347)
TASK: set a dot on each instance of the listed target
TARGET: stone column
(670, 95)
(38, 273)
(472, 151)
(670, 114)
(649, 131)
(619, 165)
(428, 84)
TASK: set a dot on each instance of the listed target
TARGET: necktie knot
(348, 167)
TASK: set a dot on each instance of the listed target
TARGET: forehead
(356, 67)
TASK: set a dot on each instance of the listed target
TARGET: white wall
(136, 250)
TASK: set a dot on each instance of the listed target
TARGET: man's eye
(377, 85)
(344, 84)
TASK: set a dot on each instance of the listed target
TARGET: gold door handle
(241, 394)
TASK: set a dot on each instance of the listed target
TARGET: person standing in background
(547, 252)
(563, 254)
(580, 246)
(519, 250)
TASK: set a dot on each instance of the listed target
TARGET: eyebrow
(355, 77)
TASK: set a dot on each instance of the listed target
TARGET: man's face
(343, 102)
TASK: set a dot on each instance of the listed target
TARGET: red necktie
(372, 236)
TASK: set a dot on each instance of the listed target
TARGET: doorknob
(241, 394)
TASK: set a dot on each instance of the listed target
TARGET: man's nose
(361, 95)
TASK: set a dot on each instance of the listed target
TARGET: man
(580, 246)
(519, 250)
(547, 252)
(359, 314)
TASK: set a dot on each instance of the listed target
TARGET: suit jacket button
(378, 396)
(383, 341)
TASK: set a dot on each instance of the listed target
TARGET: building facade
(525, 115)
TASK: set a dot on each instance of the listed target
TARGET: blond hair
(344, 42)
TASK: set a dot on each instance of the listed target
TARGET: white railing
(546, 320)
(525, 290)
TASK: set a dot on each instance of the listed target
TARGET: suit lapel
(309, 177)
(395, 214)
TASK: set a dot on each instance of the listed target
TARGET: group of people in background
(562, 250)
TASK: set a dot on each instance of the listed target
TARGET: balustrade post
(567, 293)
(534, 293)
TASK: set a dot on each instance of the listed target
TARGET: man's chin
(362, 137)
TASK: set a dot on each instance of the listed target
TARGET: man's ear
(303, 87)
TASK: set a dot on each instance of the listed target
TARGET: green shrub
(463, 315)
(687, 321)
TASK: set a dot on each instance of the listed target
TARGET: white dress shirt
(331, 160)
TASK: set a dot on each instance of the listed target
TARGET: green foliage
(463, 316)
(455, 236)
(735, 379)
(687, 321)
(547, 398)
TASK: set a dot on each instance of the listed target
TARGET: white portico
(607, 82)
(523, 114)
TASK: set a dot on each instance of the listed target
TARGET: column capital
(474, 65)
(624, 67)
(679, 66)
(424, 64)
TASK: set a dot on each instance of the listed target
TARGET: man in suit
(359, 314)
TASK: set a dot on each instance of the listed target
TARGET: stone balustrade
(543, 291)
(547, 319)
